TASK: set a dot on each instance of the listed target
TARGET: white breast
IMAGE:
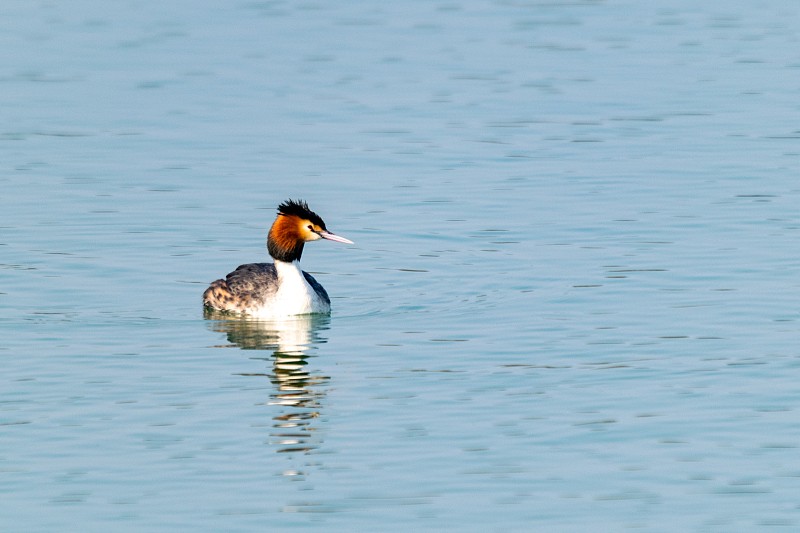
(294, 295)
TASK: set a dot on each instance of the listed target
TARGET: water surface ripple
(572, 304)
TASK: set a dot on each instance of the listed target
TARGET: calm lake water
(572, 304)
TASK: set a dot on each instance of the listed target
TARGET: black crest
(300, 209)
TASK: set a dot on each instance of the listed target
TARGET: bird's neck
(283, 242)
(286, 255)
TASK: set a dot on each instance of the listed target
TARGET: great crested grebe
(280, 288)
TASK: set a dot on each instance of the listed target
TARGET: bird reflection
(297, 392)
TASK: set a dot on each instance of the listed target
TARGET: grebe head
(296, 225)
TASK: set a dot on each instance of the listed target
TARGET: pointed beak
(333, 237)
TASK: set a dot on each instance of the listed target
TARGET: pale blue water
(572, 304)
